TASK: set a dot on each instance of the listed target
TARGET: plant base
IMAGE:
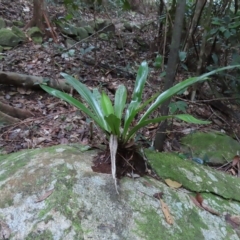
(129, 162)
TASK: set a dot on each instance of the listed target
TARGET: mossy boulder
(8, 38)
(213, 148)
(81, 33)
(128, 26)
(89, 29)
(193, 176)
(18, 23)
(104, 36)
(2, 23)
(52, 193)
(70, 42)
(103, 25)
(19, 33)
(68, 29)
(36, 35)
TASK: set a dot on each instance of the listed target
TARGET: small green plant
(177, 106)
(118, 120)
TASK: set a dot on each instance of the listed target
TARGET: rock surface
(52, 193)
(213, 147)
(8, 38)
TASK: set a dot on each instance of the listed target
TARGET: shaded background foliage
(209, 40)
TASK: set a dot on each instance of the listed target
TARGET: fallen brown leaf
(44, 196)
(164, 207)
(200, 199)
(153, 126)
(196, 202)
(172, 183)
(166, 212)
(235, 160)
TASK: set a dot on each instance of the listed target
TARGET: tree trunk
(197, 13)
(171, 70)
(203, 49)
(38, 15)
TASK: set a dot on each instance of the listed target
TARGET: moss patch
(210, 147)
(153, 226)
(193, 176)
(12, 163)
(63, 199)
(46, 235)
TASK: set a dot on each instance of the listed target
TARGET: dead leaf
(236, 161)
(166, 212)
(164, 207)
(153, 126)
(196, 202)
(172, 183)
(200, 199)
(236, 164)
(5, 231)
(24, 90)
(232, 171)
(44, 196)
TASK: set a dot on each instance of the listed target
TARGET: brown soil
(129, 162)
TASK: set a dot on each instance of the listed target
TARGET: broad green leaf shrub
(119, 118)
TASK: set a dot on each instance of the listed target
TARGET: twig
(74, 45)
(53, 33)
(219, 117)
(218, 99)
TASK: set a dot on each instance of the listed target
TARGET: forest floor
(55, 122)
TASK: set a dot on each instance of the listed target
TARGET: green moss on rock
(193, 176)
(214, 147)
(40, 235)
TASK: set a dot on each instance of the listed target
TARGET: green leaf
(184, 117)
(74, 102)
(106, 105)
(126, 5)
(86, 94)
(184, 66)
(179, 105)
(163, 74)
(140, 82)
(114, 123)
(120, 101)
(136, 96)
(147, 102)
(158, 61)
(182, 56)
(131, 112)
(143, 124)
(97, 95)
(178, 87)
(190, 119)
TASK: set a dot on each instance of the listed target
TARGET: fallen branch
(15, 112)
(23, 80)
(6, 119)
